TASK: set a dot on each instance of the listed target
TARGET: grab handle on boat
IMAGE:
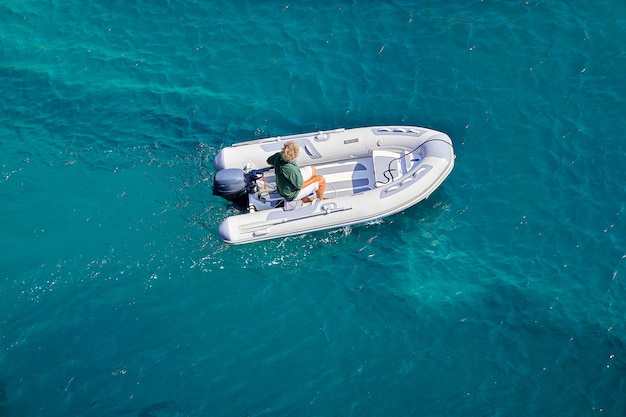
(406, 181)
(331, 207)
(328, 207)
(313, 154)
(322, 137)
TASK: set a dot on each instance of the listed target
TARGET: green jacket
(288, 177)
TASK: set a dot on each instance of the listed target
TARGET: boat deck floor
(348, 177)
(342, 178)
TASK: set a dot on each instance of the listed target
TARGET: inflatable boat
(370, 172)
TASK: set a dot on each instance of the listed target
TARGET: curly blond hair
(290, 151)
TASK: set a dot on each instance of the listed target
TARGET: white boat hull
(370, 172)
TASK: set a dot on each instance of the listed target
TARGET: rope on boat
(389, 168)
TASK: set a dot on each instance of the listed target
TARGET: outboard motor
(231, 184)
(234, 184)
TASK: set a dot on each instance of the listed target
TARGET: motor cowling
(231, 184)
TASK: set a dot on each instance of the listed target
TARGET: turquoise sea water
(504, 294)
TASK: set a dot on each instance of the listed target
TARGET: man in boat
(295, 183)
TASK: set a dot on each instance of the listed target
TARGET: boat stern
(219, 161)
(225, 231)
